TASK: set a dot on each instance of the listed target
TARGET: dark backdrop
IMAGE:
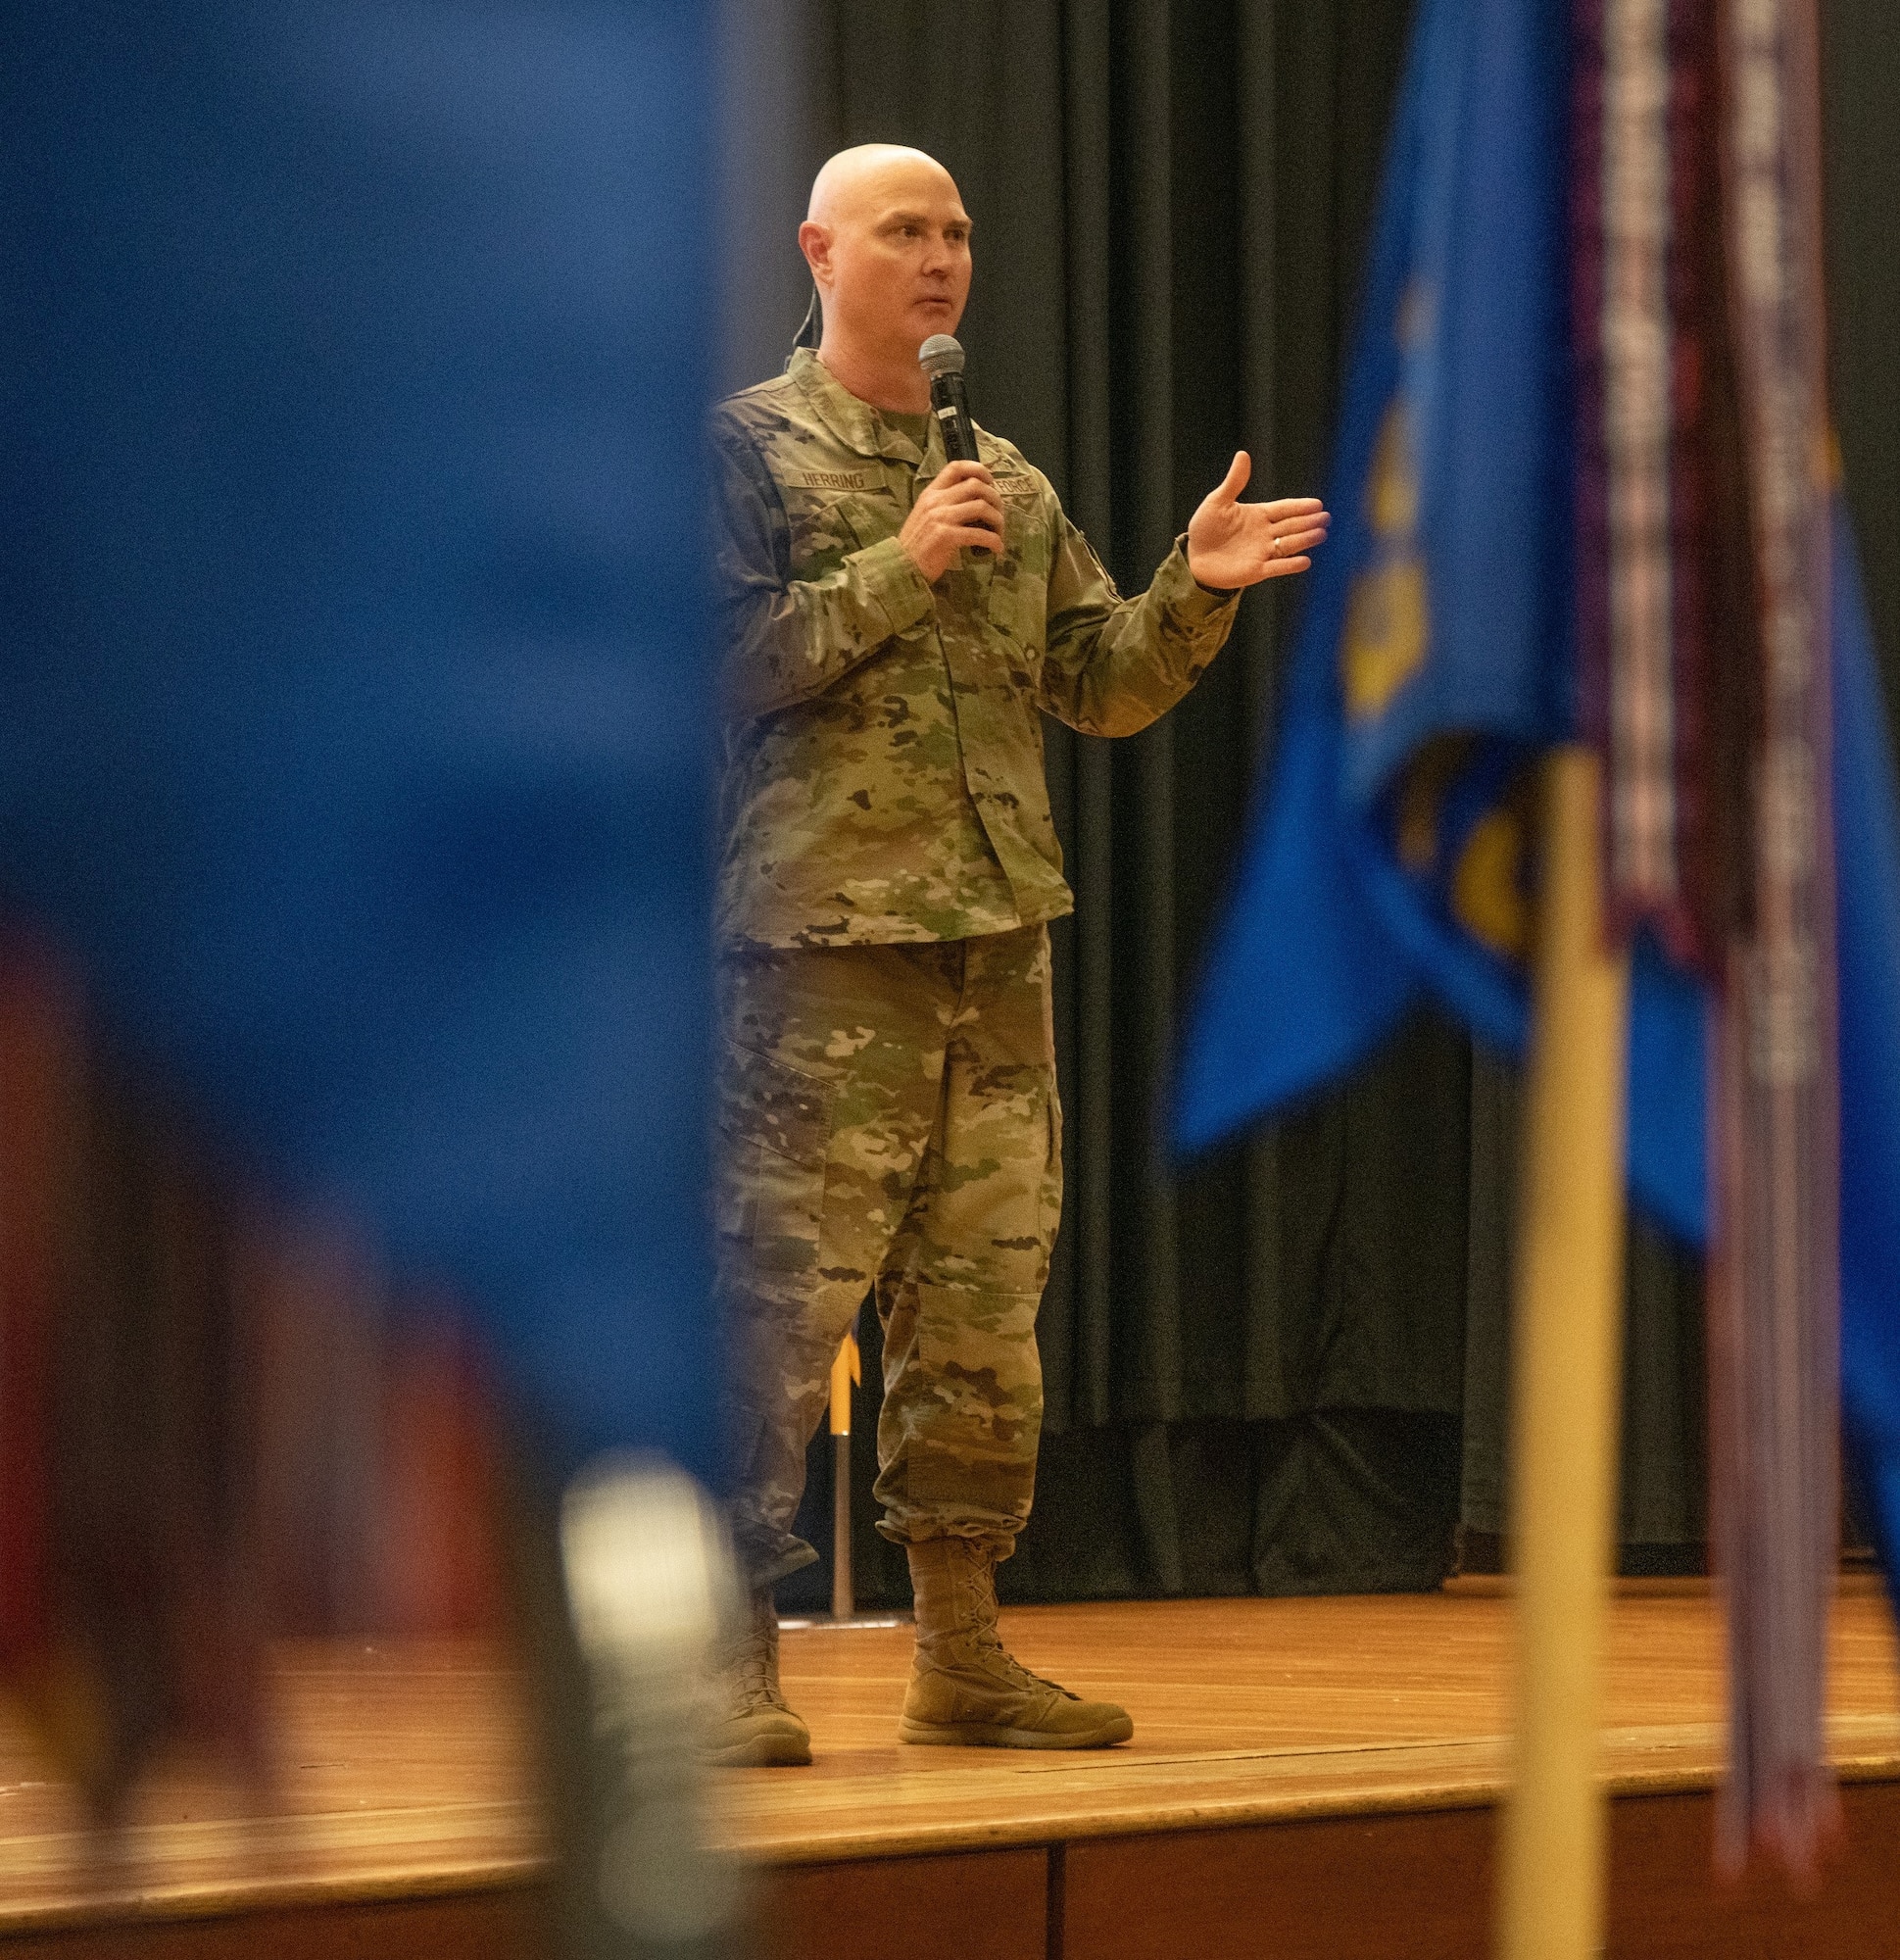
(1284, 1371)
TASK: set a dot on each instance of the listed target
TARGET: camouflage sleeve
(783, 639)
(1114, 665)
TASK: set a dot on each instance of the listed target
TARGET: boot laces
(752, 1666)
(1022, 1676)
(986, 1637)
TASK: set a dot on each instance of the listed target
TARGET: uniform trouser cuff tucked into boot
(965, 1687)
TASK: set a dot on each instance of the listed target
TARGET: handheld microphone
(941, 357)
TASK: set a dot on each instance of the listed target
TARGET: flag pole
(847, 1368)
(1566, 1393)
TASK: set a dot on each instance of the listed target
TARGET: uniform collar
(856, 425)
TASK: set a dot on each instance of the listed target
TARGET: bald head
(888, 241)
(854, 177)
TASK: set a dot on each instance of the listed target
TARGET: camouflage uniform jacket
(883, 748)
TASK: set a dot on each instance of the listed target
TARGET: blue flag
(1866, 872)
(1436, 659)
(1437, 656)
(354, 691)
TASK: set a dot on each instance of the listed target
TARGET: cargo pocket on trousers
(775, 1127)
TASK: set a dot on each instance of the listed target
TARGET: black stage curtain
(1282, 1371)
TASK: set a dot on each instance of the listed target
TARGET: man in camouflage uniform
(895, 627)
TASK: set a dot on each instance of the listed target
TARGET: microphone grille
(941, 353)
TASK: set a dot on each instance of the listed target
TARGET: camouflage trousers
(888, 1124)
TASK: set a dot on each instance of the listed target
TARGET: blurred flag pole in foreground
(1583, 498)
(1567, 1396)
(354, 684)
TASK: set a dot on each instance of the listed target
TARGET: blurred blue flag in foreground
(1391, 856)
(351, 700)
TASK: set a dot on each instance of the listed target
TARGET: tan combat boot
(756, 1729)
(964, 1687)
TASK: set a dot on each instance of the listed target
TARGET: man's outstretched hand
(1231, 544)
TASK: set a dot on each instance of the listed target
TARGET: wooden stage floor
(1254, 1710)
(1335, 1755)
